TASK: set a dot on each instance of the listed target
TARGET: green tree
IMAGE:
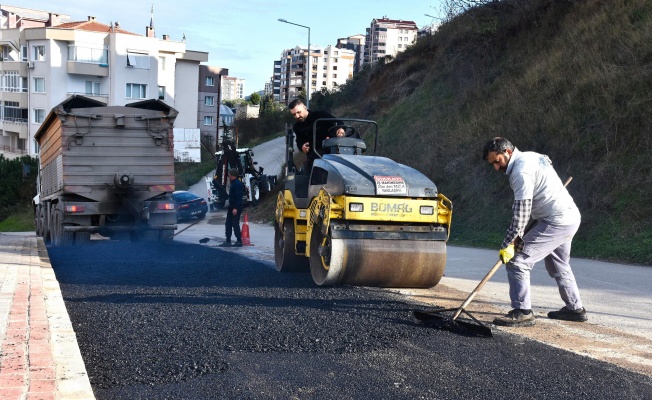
(254, 98)
(18, 183)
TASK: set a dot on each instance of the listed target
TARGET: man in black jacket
(304, 126)
(235, 209)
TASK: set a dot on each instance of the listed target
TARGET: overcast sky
(244, 36)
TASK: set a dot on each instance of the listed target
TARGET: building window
(38, 53)
(334, 76)
(400, 46)
(136, 91)
(161, 92)
(39, 85)
(162, 60)
(92, 88)
(23, 53)
(11, 111)
(137, 60)
(39, 115)
(323, 83)
(208, 120)
(334, 67)
(10, 81)
(210, 81)
(209, 101)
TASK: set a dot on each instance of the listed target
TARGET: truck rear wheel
(38, 222)
(284, 255)
(46, 227)
(61, 237)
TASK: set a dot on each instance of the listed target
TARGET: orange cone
(245, 231)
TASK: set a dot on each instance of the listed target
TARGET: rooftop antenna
(151, 21)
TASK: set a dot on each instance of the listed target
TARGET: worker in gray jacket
(540, 194)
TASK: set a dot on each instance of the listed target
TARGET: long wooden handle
(475, 291)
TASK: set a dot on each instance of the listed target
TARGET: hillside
(571, 79)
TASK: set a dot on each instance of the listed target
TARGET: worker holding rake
(538, 193)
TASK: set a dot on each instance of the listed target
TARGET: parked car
(189, 205)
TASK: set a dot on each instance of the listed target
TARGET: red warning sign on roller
(391, 185)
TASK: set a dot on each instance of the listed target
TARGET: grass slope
(570, 79)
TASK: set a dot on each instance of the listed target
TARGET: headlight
(427, 210)
(356, 207)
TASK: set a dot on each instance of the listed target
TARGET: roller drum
(377, 263)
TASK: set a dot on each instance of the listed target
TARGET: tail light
(165, 206)
(75, 209)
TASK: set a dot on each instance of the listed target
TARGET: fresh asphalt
(186, 321)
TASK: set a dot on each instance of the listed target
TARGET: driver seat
(344, 145)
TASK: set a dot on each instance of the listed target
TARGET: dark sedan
(189, 205)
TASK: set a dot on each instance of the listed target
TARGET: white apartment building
(330, 67)
(357, 44)
(233, 88)
(47, 61)
(388, 37)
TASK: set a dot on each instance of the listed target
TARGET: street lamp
(309, 72)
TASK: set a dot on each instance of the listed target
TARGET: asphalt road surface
(186, 321)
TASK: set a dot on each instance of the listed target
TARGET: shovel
(476, 326)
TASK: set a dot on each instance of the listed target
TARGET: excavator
(360, 220)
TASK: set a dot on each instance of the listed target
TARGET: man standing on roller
(303, 129)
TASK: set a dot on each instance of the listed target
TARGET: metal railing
(9, 149)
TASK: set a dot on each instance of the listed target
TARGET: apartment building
(210, 98)
(276, 81)
(233, 88)
(330, 67)
(49, 59)
(388, 37)
(357, 44)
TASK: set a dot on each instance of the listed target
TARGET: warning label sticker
(392, 185)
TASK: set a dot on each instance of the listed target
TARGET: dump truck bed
(83, 150)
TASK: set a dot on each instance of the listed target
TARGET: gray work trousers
(551, 243)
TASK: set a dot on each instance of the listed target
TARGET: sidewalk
(39, 354)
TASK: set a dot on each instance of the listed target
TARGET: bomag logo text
(391, 208)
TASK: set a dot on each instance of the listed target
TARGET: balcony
(104, 98)
(11, 152)
(14, 126)
(82, 68)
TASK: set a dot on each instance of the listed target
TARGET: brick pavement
(39, 354)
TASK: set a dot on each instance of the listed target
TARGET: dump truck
(107, 170)
(361, 220)
(256, 182)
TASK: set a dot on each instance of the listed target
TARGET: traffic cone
(245, 231)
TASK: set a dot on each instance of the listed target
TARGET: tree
(254, 98)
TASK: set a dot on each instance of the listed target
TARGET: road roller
(358, 219)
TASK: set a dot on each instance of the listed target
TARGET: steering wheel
(349, 131)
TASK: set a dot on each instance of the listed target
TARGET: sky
(245, 36)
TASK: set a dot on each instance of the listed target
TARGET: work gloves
(507, 253)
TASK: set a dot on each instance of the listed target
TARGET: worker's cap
(233, 172)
